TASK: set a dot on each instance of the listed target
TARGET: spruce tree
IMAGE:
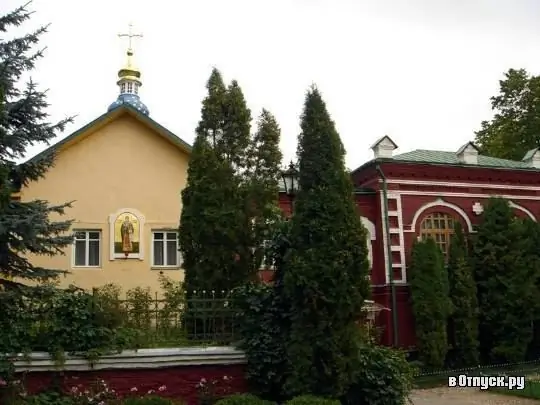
(263, 177)
(430, 303)
(463, 325)
(505, 283)
(325, 269)
(26, 227)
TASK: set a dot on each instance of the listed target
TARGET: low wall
(179, 369)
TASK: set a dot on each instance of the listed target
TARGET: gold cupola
(129, 79)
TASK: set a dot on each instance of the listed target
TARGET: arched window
(440, 227)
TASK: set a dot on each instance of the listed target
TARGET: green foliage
(26, 227)
(506, 274)
(48, 398)
(515, 126)
(262, 186)
(430, 303)
(382, 376)
(311, 400)
(213, 222)
(260, 320)
(150, 400)
(463, 325)
(243, 399)
(139, 306)
(324, 281)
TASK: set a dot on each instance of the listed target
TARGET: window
(87, 249)
(165, 249)
(440, 227)
(123, 88)
(266, 262)
(136, 89)
(130, 87)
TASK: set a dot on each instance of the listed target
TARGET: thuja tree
(463, 325)
(505, 282)
(430, 303)
(325, 269)
(262, 187)
(212, 218)
(26, 227)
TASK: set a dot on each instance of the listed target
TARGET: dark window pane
(80, 235)
(172, 253)
(93, 253)
(158, 253)
(80, 253)
(93, 235)
(171, 235)
(158, 235)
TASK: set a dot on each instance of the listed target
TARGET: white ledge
(134, 359)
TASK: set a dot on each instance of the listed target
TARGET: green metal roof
(451, 158)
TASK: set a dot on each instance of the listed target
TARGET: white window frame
(178, 264)
(87, 245)
(130, 87)
(263, 265)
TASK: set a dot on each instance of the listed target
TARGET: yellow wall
(125, 164)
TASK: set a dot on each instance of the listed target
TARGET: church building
(124, 173)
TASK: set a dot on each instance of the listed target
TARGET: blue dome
(131, 99)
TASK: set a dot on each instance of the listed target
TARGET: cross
(130, 35)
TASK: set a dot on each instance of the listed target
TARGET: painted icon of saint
(126, 231)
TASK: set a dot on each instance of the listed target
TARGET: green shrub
(260, 323)
(48, 398)
(312, 400)
(243, 399)
(151, 400)
(382, 376)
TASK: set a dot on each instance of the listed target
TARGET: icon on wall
(126, 235)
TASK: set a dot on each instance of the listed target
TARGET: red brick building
(424, 192)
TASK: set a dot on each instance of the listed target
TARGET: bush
(260, 321)
(382, 376)
(312, 400)
(243, 399)
(151, 400)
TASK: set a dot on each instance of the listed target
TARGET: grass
(440, 378)
(531, 390)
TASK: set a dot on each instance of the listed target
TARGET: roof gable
(106, 118)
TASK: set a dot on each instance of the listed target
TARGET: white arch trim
(370, 227)
(441, 203)
(112, 219)
(525, 210)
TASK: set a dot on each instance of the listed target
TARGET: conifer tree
(263, 177)
(324, 282)
(463, 325)
(505, 283)
(430, 303)
(26, 227)
(211, 204)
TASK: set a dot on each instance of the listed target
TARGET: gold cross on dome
(130, 35)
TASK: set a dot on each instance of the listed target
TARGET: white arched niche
(370, 228)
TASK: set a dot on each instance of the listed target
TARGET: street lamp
(290, 180)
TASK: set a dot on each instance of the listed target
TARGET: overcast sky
(421, 71)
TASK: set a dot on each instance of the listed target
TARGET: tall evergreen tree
(505, 284)
(26, 228)
(430, 303)
(324, 281)
(263, 177)
(463, 325)
(211, 203)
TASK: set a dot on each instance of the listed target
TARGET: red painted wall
(181, 382)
